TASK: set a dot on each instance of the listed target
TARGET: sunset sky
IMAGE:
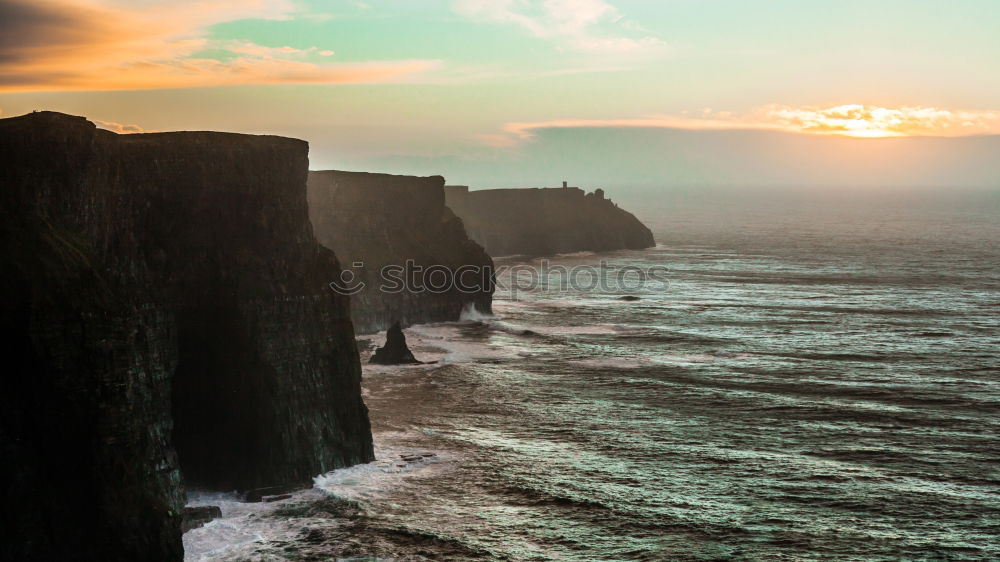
(470, 88)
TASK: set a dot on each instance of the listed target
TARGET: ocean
(799, 382)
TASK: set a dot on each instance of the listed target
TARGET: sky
(530, 92)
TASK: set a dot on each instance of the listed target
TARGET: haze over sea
(816, 381)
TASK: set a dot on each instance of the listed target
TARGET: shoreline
(336, 517)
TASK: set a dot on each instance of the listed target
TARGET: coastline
(334, 518)
(578, 426)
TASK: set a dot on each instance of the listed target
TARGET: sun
(852, 120)
(869, 121)
(865, 129)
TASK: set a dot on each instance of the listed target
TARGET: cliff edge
(161, 292)
(380, 220)
(546, 221)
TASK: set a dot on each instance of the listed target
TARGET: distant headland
(546, 221)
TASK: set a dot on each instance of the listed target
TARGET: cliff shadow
(217, 399)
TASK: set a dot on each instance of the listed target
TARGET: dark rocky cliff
(546, 221)
(385, 220)
(161, 287)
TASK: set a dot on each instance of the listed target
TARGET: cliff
(158, 289)
(383, 220)
(546, 221)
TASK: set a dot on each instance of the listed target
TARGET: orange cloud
(528, 130)
(856, 120)
(119, 45)
(846, 120)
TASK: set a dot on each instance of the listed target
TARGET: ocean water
(807, 385)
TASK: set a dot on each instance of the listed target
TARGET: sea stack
(395, 351)
(395, 236)
(165, 314)
(546, 221)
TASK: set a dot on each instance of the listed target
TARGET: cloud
(851, 120)
(583, 25)
(528, 130)
(872, 121)
(119, 128)
(495, 140)
(120, 45)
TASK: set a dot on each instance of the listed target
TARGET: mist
(645, 161)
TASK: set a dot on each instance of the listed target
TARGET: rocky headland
(546, 221)
(380, 220)
(166, 319)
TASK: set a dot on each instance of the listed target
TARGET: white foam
(581, 254)
(471, 314)
(444, 343)
(392, 465)
(245, 527)
(241, 529)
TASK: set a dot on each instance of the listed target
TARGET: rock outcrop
(161, 287)
(379, 220)
(546, 221)
(395, 350)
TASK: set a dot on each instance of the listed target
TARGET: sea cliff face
(383, 220)
(161, 292)
(546, 221)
